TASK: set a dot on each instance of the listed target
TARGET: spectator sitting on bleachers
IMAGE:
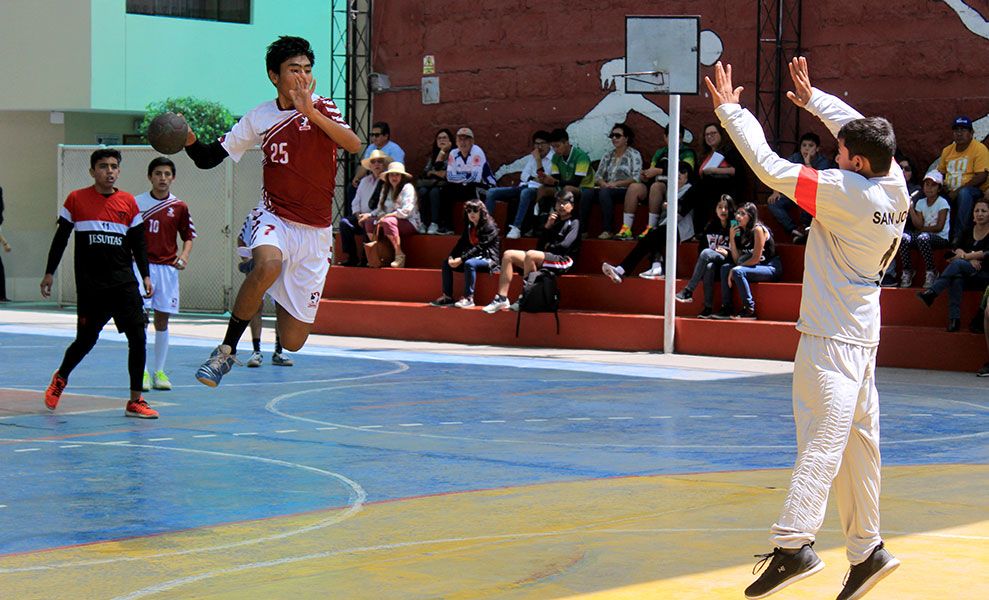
(753, 253)
(779, 205)
(430, 184)
(619, 168)
(965, 166)
(396, 214)
(967, 267)
(914, 189)
(717, 173)
(556, 250)
(475, 252)
(380, 139)
(467, 171)
(714, 254)
(654, 243)
(535, 180)
(571, 165)
(909, 174)
(365, 201)
(652, 184)
(929, 216)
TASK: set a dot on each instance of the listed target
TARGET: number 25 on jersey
(279, 152)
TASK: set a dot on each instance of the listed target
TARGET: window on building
(229, 11)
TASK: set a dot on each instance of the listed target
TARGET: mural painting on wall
(977, 24)
(590, 131)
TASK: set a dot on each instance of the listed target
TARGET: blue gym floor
(346, 429)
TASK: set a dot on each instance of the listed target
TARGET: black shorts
(123, 304)
(556, 263)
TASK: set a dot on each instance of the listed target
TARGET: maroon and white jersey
(163, 220)
(300, 160)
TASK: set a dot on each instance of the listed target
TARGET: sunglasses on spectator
(473, 209)
(615, 136)
(376, 134)
(378, 161)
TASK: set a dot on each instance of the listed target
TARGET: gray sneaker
(465, 302)
(280, 360)
(255, 360)
(864, 576)
(783, 570)
(496, 305)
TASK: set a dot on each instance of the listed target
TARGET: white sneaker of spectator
(499, 303)
(929, 278)
(656, 272)
(514, 232)
(613, 273)
(433, 229)
(465, 302)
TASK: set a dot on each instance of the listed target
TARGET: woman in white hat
(396, 214)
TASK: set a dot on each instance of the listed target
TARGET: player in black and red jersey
(109, 236)
(290, 231)
(165, 218)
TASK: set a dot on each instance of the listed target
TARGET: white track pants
(836, 410)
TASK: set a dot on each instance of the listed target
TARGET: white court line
(27, 450)
(160, 439)
(410, 424)
(370, 426)
(451, 422)
(745, 416)
(205, 435)
(920, 415)
(3, 506)
(964, 415)
(661, 417)
(118, 443)
(286, 430)
(578, 418)
(700, 416)
(357, 499)
(493, 421)
(535, 420)
(324, 428)
(71, 446)
(246, 433)
(620, 418)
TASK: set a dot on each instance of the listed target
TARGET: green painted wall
(138, 59)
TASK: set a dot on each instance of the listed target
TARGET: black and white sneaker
(783, 570)
(864, 576)
(685, 295)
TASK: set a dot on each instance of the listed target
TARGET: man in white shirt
(535, 180)
(859, 211)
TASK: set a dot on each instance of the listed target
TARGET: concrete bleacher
(598, 314)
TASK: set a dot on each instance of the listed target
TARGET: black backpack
(539, 294)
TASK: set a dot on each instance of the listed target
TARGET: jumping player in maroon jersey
(109, 236)
(290, 232)
(165, 218)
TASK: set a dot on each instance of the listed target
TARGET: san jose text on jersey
(300, 160)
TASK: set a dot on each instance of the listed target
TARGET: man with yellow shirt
(965, 166)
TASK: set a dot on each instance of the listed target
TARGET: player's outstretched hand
(721, 90)
(301, 95)
(802, 90)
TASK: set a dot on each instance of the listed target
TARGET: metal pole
(672, 189)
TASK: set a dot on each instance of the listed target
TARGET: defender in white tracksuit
(855, 234)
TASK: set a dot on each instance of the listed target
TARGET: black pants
(123, 304)
(3, 281)
(653, 244)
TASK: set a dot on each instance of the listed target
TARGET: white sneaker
(421, 228)
(496, 305)
(929, 278)
(255, 360)
(433, 229)
(906, 279)
(611, 272)
(653, 273)
(465, 302)
(514, 232)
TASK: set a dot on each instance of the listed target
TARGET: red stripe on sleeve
(806, 193)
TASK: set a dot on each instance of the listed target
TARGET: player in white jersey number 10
(835, 402)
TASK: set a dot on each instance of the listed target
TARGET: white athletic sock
(657, 266)
(161, 350)
(653, 219)
(619, 270)
(627, 219)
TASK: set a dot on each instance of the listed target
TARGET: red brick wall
(509, 67)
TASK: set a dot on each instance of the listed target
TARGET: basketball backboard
(662, 54)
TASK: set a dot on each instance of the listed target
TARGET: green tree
(208, 120)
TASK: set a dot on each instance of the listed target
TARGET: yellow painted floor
(689, 536)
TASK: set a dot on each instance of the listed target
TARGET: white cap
(935, 176)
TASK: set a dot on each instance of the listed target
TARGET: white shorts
(306, 255)
(165, 280)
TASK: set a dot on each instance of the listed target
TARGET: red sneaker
(54, 392)
(140, 409)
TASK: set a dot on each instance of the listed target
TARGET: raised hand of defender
(301, 95)
(721, 90)
(802, 90)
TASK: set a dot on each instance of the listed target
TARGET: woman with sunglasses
(477, 251)
(753, 259)
(619, 168)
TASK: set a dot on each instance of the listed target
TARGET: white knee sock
(627, 219)
(653, 219)
(161, 350)
(620, 270)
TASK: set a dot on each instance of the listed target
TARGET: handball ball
(167, 133)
